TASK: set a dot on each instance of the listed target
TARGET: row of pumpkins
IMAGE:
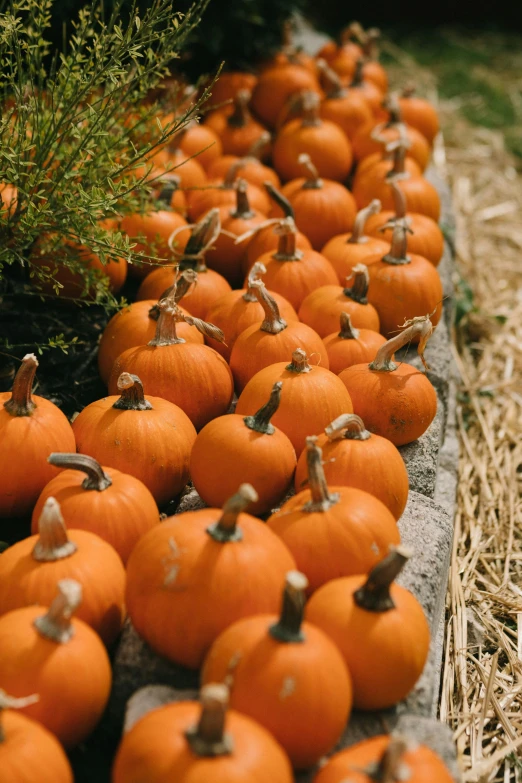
(319, 409)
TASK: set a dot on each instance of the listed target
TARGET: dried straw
(481, 696)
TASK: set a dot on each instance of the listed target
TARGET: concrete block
(421, 456)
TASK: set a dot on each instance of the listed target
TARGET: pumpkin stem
(374, 595)
(398, 149)
(321, 500)
(208, 737)
(241, 116)
(273, 322)
(391, 104)
(399, 202)
(348, 331)
(53, 542)
(348, 426)
(132, 397)
(226, 528)
(419, 326)
(299, 362)
(313, 180)
(258, 269)
(169, 316)
(389, 768)
(370, 44)
(260, 421)
(310, 104)
(330, 81)
(56, 623)
(286, 249)
(21, 403)
(288, 627)
(96, 478)
(169, 184)
(399, 245)
(203, 235)
(257, 149)
(280, 200)
(358, 77)
(242, 210)
(229, 182)
(361, 280)
(12, 703)
(357, 235)
(180, 286)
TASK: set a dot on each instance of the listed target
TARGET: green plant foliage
(75, 128)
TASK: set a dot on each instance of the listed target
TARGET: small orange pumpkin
(385, 758)
(380, 629)
(275, 86)
(354, 457)
(427, 239)
(200, 141)
(365, 87)
(229, 83)
(312, 396)
(419, 113)
(302, 675)
(248, 166)
(186, 564)
(333, 531)
(249, 449)
(31, 428)
(342, 58)
(403, 285)
(236, 311)
(347, 250)
(28, 752)
(221, 192)
(347, 108)
(395, 401)
(351, 345)
(150, 439)
(30, 569)
(150, 234)
(271, 341)
(322, 208)
(206, 743)
(323, 307)
(61, 659)
(115, 506)
(323, 140)
(235, 126)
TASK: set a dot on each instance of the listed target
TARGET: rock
(150, 698)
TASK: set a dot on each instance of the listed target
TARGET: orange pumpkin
(372, 137)
(115, 506)
(8, 200)
(28, 752)
(365, 87)
(226, 255)
(62, 660)
(149, 439)
(333, 531)
(347, 108)
(395, 401)
(323, 140)
(322, 208)
(294, 273)
(210, 284)
(323, 307)
(135, 325)
(385, 757)
(199, 747)
(229, 83)
(31, 428)
(427, 239)
(372, 70)
(189, 170)
(271, 341)
(342, 58)
(266, 239)
(402, 285)
(351, 345)
(192, 376)
(275, 86)
(235, 126)
(302, 675)
(419, 113)
(244, 448)
(249, 166)
(30, 569)
(311, 397)
(221, 192)
(345, 251)
(236, 311)
(186, 564)
(354, 457)
(200, 141)
(380, 629)
(150, 234)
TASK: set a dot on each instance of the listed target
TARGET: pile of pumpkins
(294, 297)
